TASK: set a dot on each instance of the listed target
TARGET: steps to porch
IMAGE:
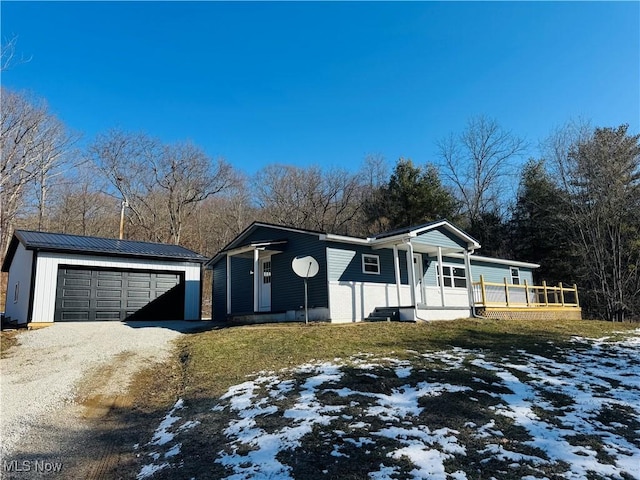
(384, 314)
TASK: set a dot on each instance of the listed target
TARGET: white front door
(419, 276)
(264, 285)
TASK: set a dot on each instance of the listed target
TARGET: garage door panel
(138, 294)
(141, 274)
(118, 295)
(108, 293)
(107, 316)
(77, 282)
(67, 303)
(110, 273)
(103, 283)
(109, 304)
(74, 292)
(75, 316)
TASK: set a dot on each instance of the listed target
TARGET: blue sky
(327, 83)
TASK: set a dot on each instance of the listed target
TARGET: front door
(419, 276)
(264, 293)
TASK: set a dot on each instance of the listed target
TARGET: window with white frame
(453, 276)
(515, 276)
(370, 264)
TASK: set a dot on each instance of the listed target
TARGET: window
(515, 276)
(371, 264)
(453, 277)
(266, 272)
(16, 293)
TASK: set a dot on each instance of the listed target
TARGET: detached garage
(56, 277)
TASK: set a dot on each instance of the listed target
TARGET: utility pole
(125, 204)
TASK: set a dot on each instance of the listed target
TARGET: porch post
(467, 267)
(396, 267)
(442, 300)
(228, 284)
(411, 274)
(256, 280)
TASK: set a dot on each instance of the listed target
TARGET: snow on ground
(573, 415)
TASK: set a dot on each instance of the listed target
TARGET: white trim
(344, 239)
(440, 275)
(511, 269)
(47, 264)
(396, 269)
(377, 264)
(452, 267)
(256, 280)
(411, 273)
(500, 261)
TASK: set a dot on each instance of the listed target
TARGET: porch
(524, 301)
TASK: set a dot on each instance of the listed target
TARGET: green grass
(215, 360)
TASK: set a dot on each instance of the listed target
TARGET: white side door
(264, 285)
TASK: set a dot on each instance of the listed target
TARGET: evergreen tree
(538, 226)
(413, 195)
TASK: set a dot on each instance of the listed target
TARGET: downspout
(396, 268)
(411, 274)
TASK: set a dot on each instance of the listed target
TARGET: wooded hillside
(575, 210)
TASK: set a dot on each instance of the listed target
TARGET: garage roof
(79, 244)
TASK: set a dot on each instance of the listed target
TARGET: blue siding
(493, 272)
(440, 237)
(220, 291)
(345, 264)
(287, 289)
(241, 285)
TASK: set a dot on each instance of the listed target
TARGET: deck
(535, 302)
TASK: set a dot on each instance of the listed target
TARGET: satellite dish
(305, 266)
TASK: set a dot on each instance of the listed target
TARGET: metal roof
(79, 244)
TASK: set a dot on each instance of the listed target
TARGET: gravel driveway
(42, 376)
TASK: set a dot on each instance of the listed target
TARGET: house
(58, 277)
(426, 272)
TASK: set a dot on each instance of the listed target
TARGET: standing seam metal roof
(61, 242)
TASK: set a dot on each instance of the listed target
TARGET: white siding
(20, 276)
(354, 301)
(47, 273)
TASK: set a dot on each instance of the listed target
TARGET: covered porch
(434, 290)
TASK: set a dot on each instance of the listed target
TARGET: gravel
(41, 376)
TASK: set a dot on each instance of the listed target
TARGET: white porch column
(396, 267)
(442, 297)
(411, 273)
(467, 267)
(228, 285)
(256, 280)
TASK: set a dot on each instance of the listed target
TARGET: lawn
(452, 400)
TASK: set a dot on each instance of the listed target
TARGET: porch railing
(491, 294)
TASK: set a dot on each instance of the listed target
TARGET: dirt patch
(8, 340)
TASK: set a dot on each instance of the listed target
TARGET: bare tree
(309, 197)
(8, 55)
(477, 162)
(34, 145)
(187, 176)
(599, 172)
(161, 185)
